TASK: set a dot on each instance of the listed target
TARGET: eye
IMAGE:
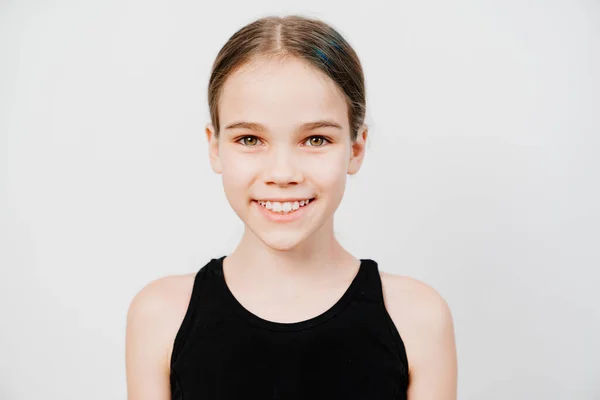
(317, 141)
(250, 143)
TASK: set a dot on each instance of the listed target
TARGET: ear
(357, 151)
(213, 148)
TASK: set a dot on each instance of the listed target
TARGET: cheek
(329, 173)
(237, 174)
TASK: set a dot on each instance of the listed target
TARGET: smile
(284, 211)
(284, 207)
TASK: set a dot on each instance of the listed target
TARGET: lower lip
(279, 217)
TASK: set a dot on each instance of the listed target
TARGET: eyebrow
(304, 127)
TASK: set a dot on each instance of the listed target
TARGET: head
(287, 108)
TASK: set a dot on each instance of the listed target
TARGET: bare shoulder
(153, 319)
(425, 323)
(162, 304)
(411, 298)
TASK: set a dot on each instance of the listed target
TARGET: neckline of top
(249, 316)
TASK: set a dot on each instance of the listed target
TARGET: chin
(281, 241)
(283, 236)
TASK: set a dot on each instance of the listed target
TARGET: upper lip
(283, 200)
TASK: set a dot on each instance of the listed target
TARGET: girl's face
(284, 138)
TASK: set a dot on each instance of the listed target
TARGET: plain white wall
(482, 178)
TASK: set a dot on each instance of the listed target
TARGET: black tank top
(351, 351)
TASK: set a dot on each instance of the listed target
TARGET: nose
(282, 168)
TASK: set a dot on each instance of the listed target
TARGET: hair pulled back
(293, 36)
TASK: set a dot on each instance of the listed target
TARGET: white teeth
(283, 208)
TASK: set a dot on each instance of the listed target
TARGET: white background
(482, 178)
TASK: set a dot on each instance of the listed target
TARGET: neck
(318, 259)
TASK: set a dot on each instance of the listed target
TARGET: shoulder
(162, 291)
(156, 312)
(421, 315)
(412, 298)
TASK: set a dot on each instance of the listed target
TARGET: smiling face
(284, 136)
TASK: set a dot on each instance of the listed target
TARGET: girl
(289, 314)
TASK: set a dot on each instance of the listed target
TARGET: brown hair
(293, 36)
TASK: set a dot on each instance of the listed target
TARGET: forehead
(281, 93)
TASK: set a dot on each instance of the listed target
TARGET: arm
(146, 354)
(433, 363)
